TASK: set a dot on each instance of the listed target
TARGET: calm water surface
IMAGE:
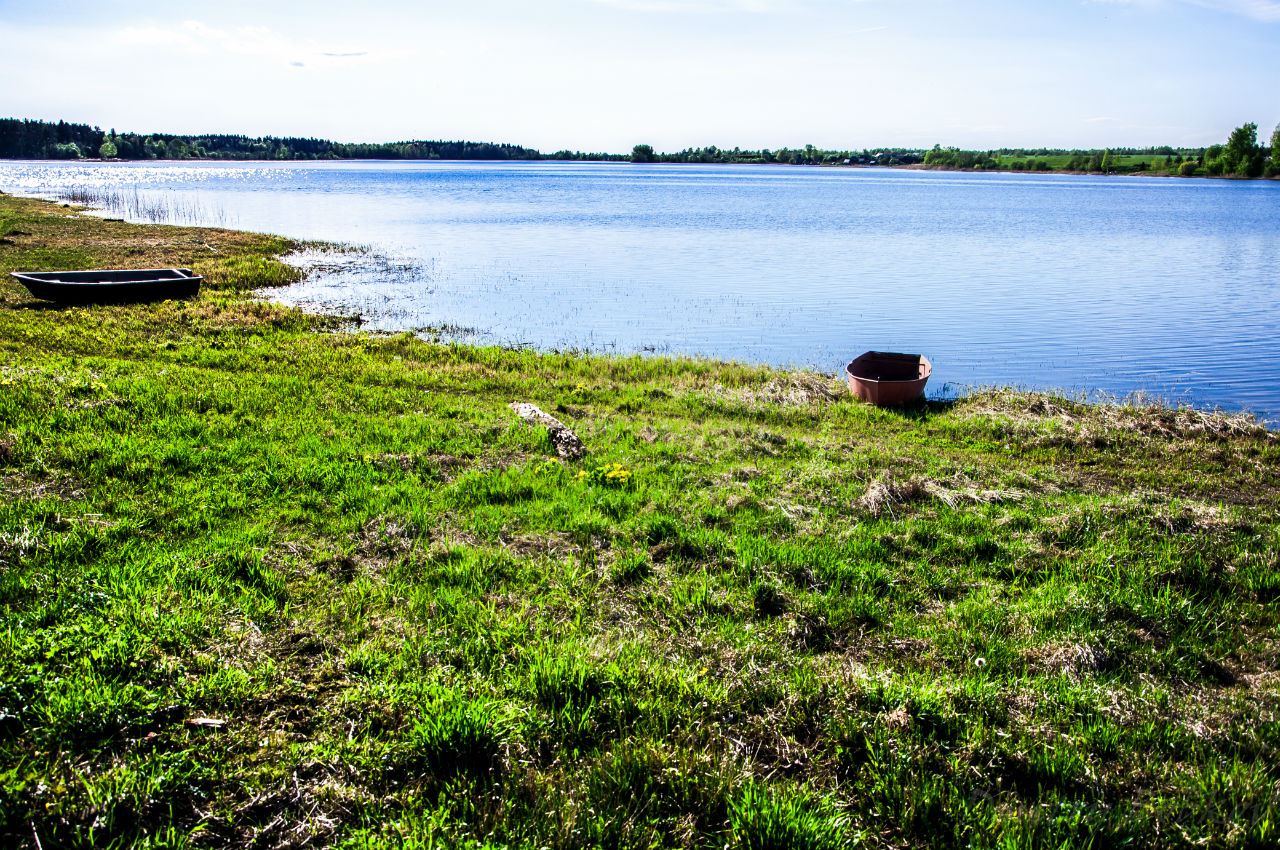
(1084, 284)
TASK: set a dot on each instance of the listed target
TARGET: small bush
(607, 475)
(455, 737)
(765, 820)
(560, 681)
(768, 600)
(630, 568)
(247, 570)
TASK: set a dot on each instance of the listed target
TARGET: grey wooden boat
(110, 286)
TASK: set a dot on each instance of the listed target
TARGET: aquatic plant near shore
(152, 208)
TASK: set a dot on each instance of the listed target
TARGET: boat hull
(110, 286)
(887, 378)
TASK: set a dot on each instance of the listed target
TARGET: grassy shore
(267, 583)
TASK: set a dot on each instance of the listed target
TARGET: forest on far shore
(1241, 155)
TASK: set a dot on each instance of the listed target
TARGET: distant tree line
(580, 156)
(807, 155)
(44, 140)
(27, 139)
(1240, 156)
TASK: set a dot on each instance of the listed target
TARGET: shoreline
(1140, 396)
(1166, 396)
(905, 167)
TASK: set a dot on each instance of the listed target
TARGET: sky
(604, 75)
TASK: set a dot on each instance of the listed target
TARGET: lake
(1091, 285)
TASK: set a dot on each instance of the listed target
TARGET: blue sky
(607, 74)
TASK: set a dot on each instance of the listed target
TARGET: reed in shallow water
(151, 208)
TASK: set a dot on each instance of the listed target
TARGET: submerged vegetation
(264, 583)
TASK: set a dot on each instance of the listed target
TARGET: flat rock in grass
(206, 722)
(566, 442)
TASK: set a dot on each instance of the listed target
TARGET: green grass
(264, 583)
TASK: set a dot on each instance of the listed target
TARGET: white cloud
(152, 36)
(200, 38)
(693, 5)
(1267, 11)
